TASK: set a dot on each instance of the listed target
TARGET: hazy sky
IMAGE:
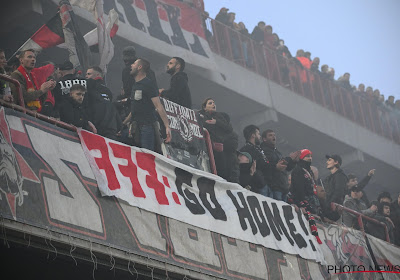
(361, 37)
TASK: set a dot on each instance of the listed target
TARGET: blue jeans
(147, 138)
(265, 191)
(278, 195)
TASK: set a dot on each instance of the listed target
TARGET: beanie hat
(304, 152)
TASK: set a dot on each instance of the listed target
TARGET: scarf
(311, 220)
(31, 85)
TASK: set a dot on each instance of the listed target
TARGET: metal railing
(256, 57)
(360, 218)
(73, 128)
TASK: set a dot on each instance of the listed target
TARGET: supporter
(144, 100)
(4, 87)
(344, 81)
(223, 16)
(224, 139)
(283, 50)
(381, 99)
(250, 178)
(96, 84)
(14, 63)
(383, 216)
(33, 95)
(276, 179)
(231, 20)
(304, 187)
(353, 181)
(334, 184)
(68, 78)
(308, 56)
(275, 41)
(45, 73)
(360, 90)
(233, 37)
(245, 43)
(129, 57)
(397, 107)
(395, 217)
(268, 37)
(331, 73)
(205, 15)
(384, 197)
(369, 93)
(179, 91)
(324, 71)
(304, 63)
(315, 65)
(72, 111)
(390, 101)
(258, 32)
(100, 110)
(355, 203)
(252, 136)
(376, 95)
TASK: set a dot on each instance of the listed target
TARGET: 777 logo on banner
(157, 184)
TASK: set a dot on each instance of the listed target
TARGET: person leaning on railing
(382, 216)
(355, 203)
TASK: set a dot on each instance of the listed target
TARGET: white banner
(387, 258)
(157, 184)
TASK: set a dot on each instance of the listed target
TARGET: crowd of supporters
(264, 52)
(137, 118)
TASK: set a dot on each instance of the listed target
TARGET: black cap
(335, 158)
(356, 188)
(67, 65)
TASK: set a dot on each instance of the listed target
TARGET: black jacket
(257, 34)
(335, 187)
(219, 131)
(302, 184)
(378, 231)
(277, 180)
(73, 113)
(263, 164)
(105, 118)
(61, 90)
(96, 90)
(179, 91)
(255, 182)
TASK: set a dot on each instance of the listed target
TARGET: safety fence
(288, 72)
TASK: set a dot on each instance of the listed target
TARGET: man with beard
(253, 139)
(277, 177)
(129, 57)
(72, 111)
(68, 79)
(33, 95)
(144, 100)
(101, 112)
(304, 187)
(179, 91)
(335, 185)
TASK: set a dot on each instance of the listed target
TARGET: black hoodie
(179, 91)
